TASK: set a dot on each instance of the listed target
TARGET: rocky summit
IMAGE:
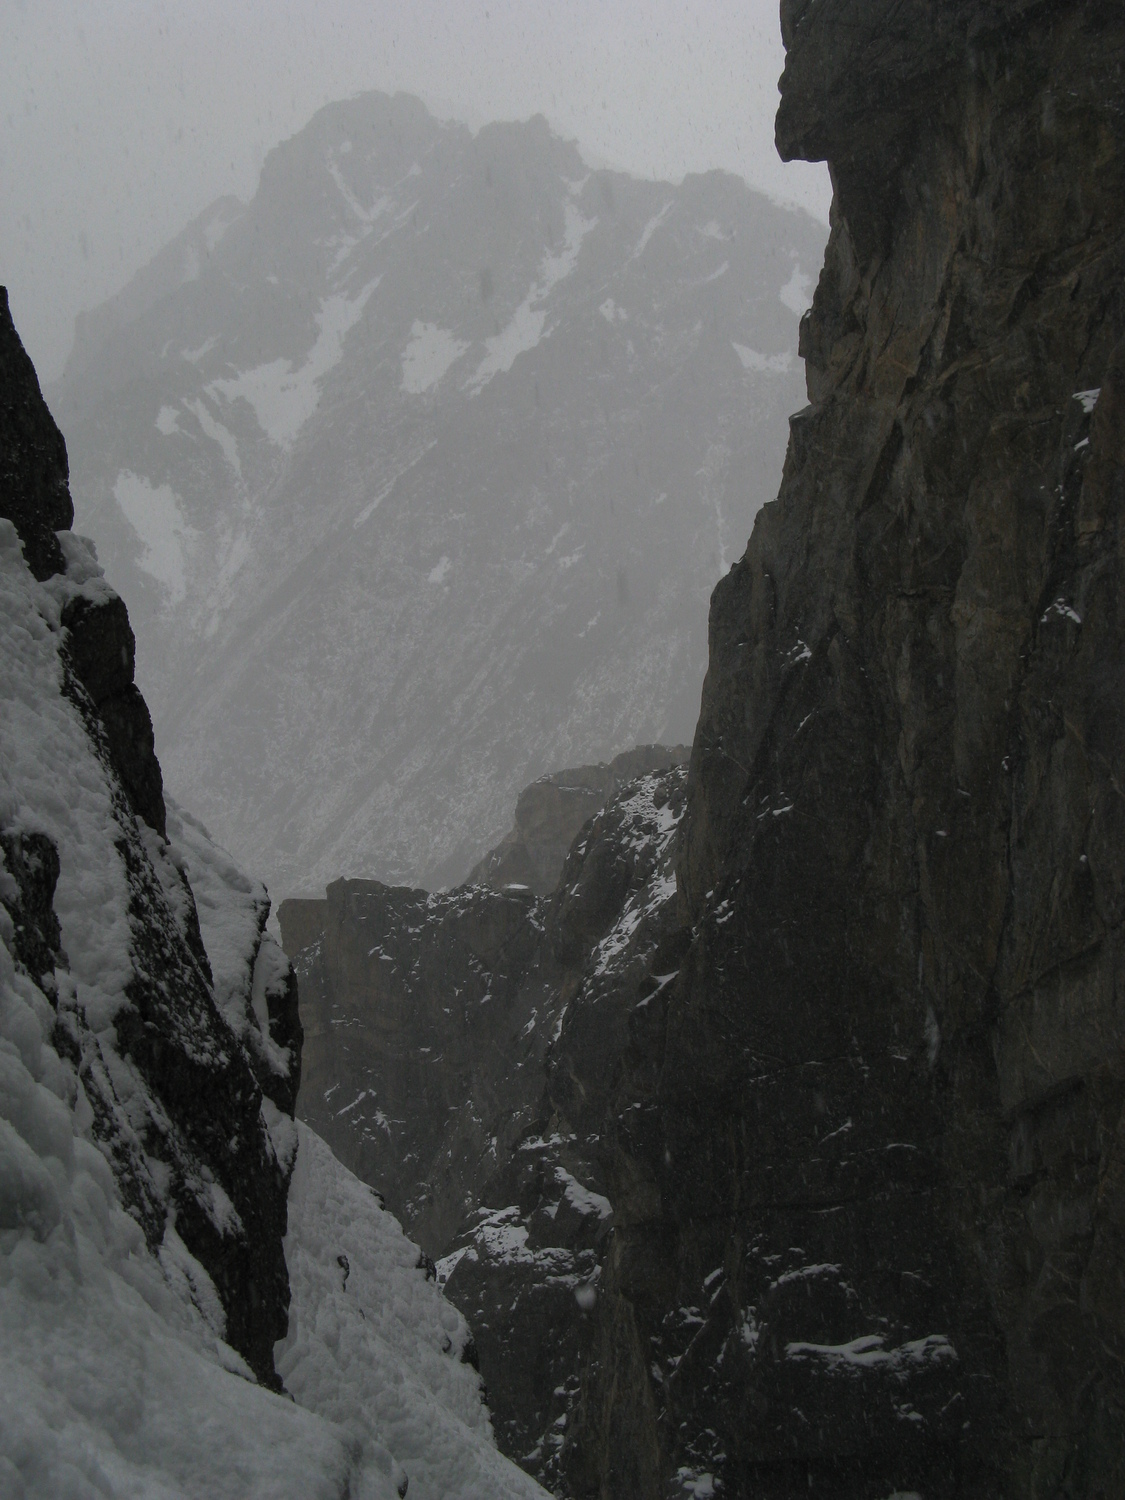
(824, 1191)
(416, 473)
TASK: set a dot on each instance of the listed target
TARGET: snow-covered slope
(417, 472)
(374, 1346)
(149, 1056)
(115, 1379)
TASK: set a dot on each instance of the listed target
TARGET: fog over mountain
(416, 474)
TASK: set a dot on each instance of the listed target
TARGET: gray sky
(121, 120)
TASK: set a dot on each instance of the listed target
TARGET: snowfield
(115, 1375)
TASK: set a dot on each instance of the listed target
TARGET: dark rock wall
(526, 1267)
(460, 1052)
(419, 1070)
(302, 921)
(866, 1162)
(550, 814)
(177, 1108)
(34, 474)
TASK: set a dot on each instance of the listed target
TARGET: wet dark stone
(34, 492)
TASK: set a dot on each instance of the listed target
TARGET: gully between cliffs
(848, 1149)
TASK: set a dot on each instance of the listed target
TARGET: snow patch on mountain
(795, 293)
(366, 216)
(429, 354)
(650, 229)
(112, 1382)
(526, 326)
(763, 364)
(282, 398)
(296, 738)
(217, 433)
(153, 511)
(193, 356)
(373, 1345)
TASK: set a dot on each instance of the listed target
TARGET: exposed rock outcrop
(419, 1068)
(127, 934)
(861, 1126)
(34, 489)
(550, 814)
(460, 1052)
(866, 1156)
(302, 921)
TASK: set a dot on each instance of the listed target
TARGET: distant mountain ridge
(416, 474)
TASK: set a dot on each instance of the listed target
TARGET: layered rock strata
(129, 936)
(866, 1150)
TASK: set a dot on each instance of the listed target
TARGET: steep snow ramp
(114, 1375)
(374, 1346)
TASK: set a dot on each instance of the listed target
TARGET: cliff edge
(867, 1157)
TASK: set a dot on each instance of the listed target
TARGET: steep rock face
(866, 1161)
(550, 814)
(33, 464)
(526, 1267)
(178, 1047)
(416, 473)
(460, 1053)
(301, 920)
(419, 1067)
(162, 1237)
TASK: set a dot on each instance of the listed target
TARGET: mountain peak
(417, 471)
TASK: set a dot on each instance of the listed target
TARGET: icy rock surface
(149, 1055)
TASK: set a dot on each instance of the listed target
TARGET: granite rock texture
(866, 1155)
